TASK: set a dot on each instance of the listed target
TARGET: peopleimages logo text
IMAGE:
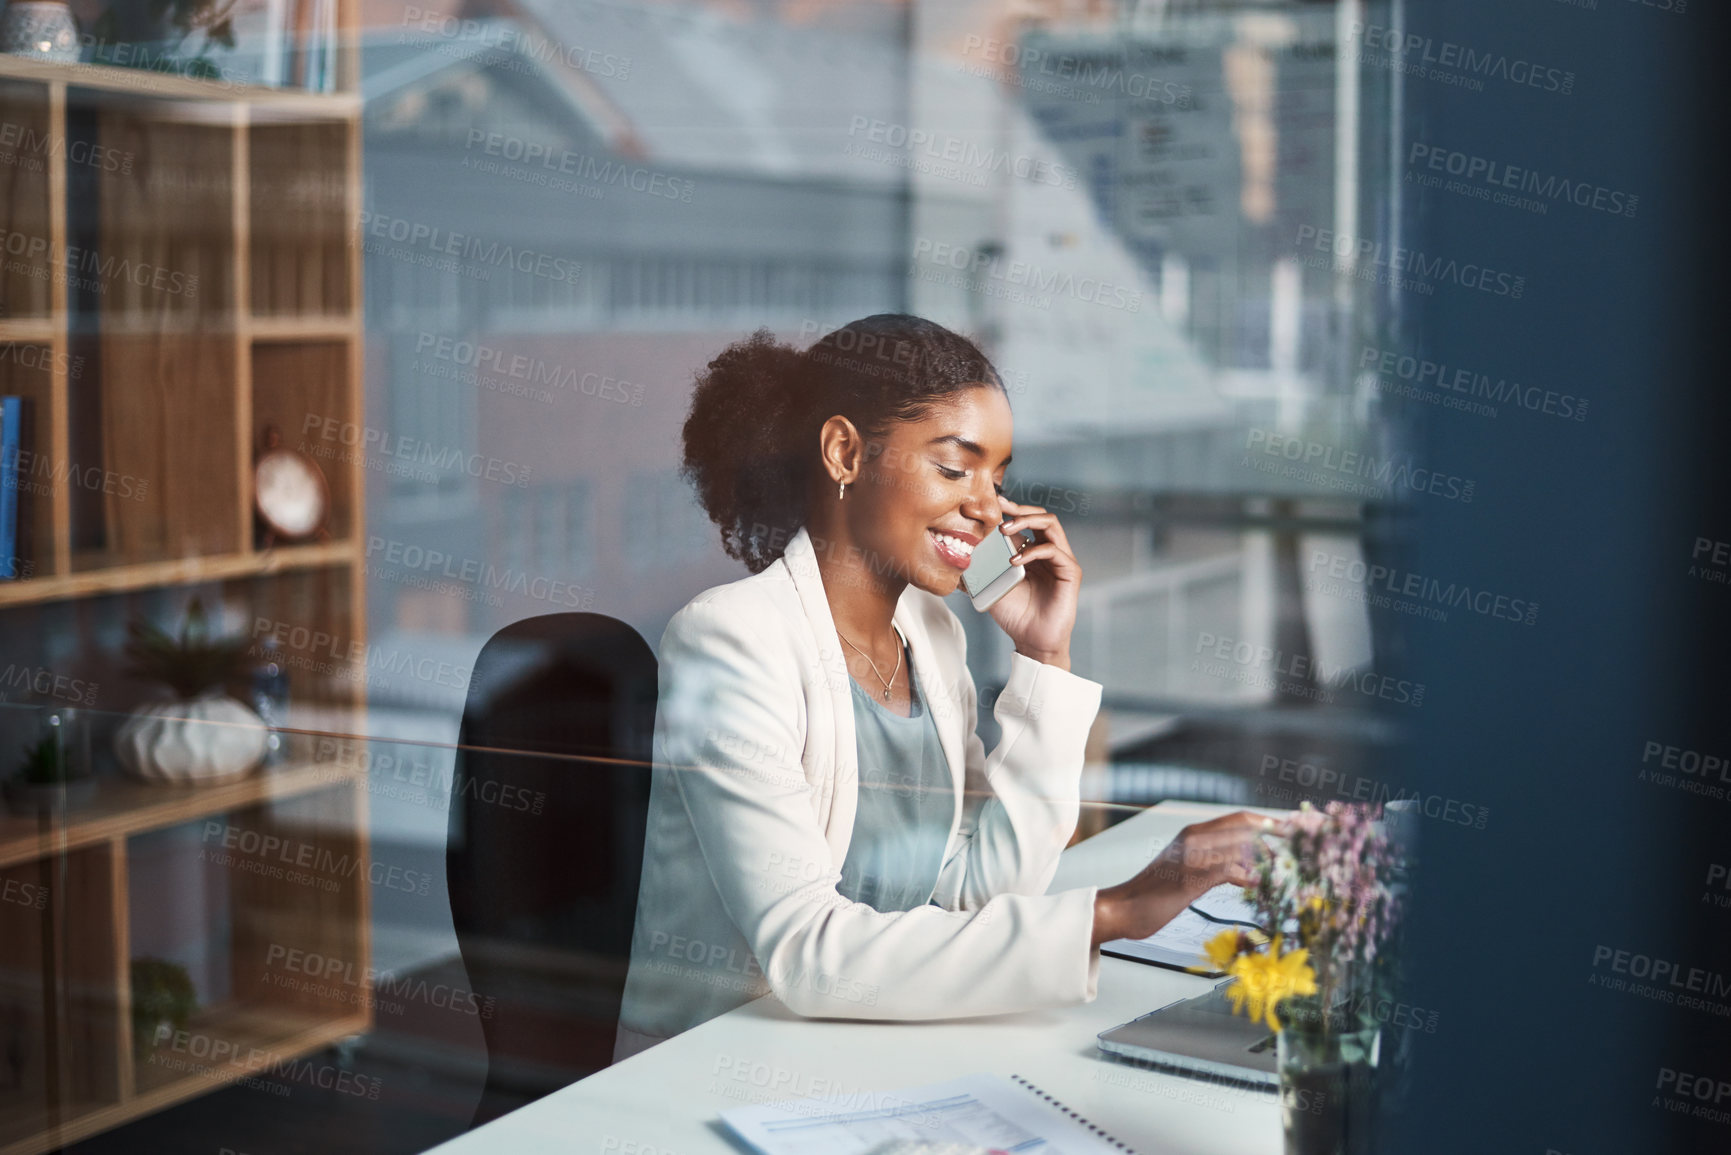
(1308, 668)
(475, 572)
(46, 257)
(467, 247)
(984, 270)
(1473, 384)
(1400, 259)
(1497, 173)
(1105, 69)
(1448, 57)
(355, 659)
(1694, 980)
(1382, 580)
(490, 359)
(1385, 474)
(21, 139)
(411, 450)
(961, 152)
(599, 170)
(521, 42)
(46, 683)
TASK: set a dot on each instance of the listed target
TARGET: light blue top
(906, 801)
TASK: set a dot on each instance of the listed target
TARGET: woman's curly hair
(751, 435)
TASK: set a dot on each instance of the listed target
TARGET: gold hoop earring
(841, 492)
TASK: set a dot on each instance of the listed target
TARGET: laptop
(1200, 1036)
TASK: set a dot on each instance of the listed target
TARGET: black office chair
(549, 798)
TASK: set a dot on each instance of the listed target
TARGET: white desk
(666, 1100)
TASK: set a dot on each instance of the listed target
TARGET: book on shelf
(15, 449)
(287, 43)
(312, 61)
(273, 43)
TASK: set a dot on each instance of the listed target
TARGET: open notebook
(982, 1111)
(1179, 943)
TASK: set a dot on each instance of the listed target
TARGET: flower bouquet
(1326, 897)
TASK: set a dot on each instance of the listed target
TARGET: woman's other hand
(1040, 613)
(1204, 855)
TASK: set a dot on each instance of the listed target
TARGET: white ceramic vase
(209, 739)
(40, 28)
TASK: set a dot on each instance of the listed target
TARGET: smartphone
(990, 575)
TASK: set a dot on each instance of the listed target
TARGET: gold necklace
(879, 674)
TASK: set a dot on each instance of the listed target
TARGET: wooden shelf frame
(343, 104)
(337, 327)
(91, 925)
(242, 112)
(184, 571)
(27, 331)
(123, 808)
(297, 1035)
(260, 1033)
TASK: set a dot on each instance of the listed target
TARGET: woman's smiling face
(930, 495)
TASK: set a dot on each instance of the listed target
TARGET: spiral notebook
(983, 1111)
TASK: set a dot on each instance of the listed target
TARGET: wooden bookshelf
(194, 274)
(123, 808)
(98, 1078)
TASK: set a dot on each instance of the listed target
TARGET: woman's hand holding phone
(1039, 613)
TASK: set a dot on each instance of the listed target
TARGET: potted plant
(1325, 896)
(162, 997)
(46, 779)
(202, 735)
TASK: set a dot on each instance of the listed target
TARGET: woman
(824, 822)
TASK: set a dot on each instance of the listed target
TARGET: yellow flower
(1221, 950)
(1266, 979)
(1226, 946)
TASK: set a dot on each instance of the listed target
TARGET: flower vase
(1327, 1089)
(201, 742)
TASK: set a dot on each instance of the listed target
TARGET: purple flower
(1327, 889)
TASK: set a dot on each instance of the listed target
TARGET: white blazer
(752, 806)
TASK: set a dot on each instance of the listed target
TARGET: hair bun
(740, 453)
(751, 435)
